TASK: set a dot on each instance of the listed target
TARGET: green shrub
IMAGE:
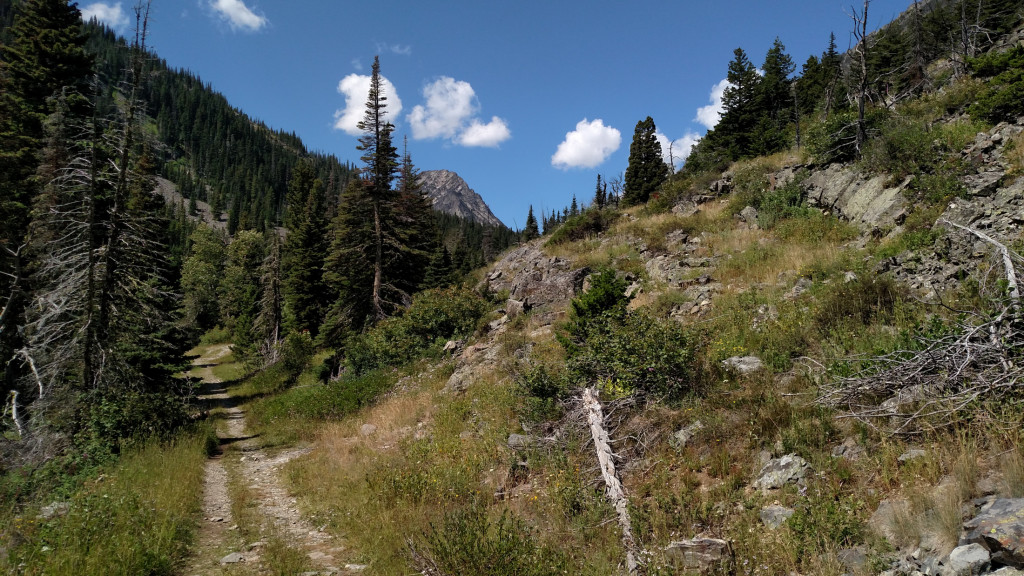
(327, 402)
(470, 544)
(1004, 99)
(542, 390)
(296, 350)
(635, 353)
(435, 315)
(588, 224)
(607, 295)
(834, 140)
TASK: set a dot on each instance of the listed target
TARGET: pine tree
(740, 111)
(600, 194)
(305, 294)
(531, 230)
(415, 225)
(239, 290)
(774, 104)
(267, 325)
(574, 208)
(647, 170)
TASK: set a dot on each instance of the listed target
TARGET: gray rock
(54, 509)
(520, 441)
(749, 215)
(775, 516)
(686, 208)
(849, 450)
(699, 553)
(233, 558)
(781, 471)
(968, 560)
(865, 202)
(801, 286)
(743, 365)
(912, 454)
(679, 440)
(1001, 531)
(367, 430)
(855, 560)
(1008, 571)
(514, 307)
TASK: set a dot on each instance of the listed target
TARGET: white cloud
(711, 114)
(681, 147)
(401, 50)
(590, 144)
(485, 135)
(449, 112)
(238, 15)
(450, 104)
(110, 14)
(355, 88)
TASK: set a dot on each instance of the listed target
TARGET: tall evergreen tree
(600, 193)
(531, 230)
(647, 169)
(740, 111)
(305, 294)
(774, 103)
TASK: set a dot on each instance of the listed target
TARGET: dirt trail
(221, 549)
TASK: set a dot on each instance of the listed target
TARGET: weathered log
(606, 458)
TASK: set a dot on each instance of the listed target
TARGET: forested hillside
(104, 286)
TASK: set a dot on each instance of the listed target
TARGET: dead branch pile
(911, 391)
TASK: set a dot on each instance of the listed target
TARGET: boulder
(778, 472)
(775, 516)
(233, 558)
(367, 430)
(749, 215)
(1000, 530)
(968, 560)
(849, 450)
(912, 454)
(700, 554)
(743, 365)
(520, 441)
(679, 440)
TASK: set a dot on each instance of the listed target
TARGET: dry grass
(1013, 152)
(1012, 465)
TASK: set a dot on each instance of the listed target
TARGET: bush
(1004, 99)
(834, 139)
(330, 402)
(582, 226)
(470, 544)
(635, 353)
(296, 350)
(607, 295)
(435, 315)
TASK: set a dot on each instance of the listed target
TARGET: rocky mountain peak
(451, 195)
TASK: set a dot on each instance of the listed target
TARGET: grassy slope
(433, 452)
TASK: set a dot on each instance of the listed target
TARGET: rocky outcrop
(535, 281)
(451, 195)
(1000, 530)
(866, 202)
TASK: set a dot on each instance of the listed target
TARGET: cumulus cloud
(449, 112)
(450, 104)
(110, 14)
(355, 88)
(681, 147)
(238, 15)
(710, 115)
(590, 144)
(485, 135)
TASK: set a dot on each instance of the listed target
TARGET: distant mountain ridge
(451, 195)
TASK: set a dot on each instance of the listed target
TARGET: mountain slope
(452, 195)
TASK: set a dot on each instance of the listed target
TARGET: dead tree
(860, 33)
(613, 487)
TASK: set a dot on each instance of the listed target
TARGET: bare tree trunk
(378, 262)
(602, 446)
(860, 32)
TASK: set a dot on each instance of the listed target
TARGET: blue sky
(528, 101)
